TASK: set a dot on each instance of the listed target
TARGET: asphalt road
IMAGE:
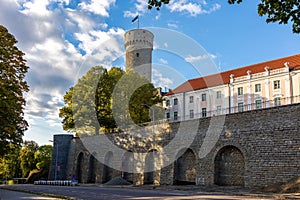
(115, 193)
(13, 195)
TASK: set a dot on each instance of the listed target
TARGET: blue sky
(62, 39)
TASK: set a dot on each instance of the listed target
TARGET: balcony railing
(237, 109)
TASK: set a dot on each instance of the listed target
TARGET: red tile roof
(224, 77)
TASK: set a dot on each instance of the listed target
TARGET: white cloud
(140, 7)
(192, 8)
(163, 61)
(60, 44)
(194, 59)
(97, 7)
(172, 25)
(128, 13)
(161, 81)
(36, 8)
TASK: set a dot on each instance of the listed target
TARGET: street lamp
(56, 158)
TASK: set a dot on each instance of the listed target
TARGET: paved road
(99, 193)
(12, 195)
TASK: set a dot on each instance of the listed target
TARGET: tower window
(137, 54)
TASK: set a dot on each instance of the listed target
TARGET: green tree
(104, 98)
(10, 164)
(80, 103)
(90, 104)
(130, 94)
(66, 112)
(279, 11)
(26, 157)
(157, 3)
(12, 85)
(43, 157)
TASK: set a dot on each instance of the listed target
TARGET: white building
(258, 86)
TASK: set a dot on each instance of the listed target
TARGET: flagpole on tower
(136, 19)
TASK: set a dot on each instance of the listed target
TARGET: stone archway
(107, 170)
(79, 168)
(92, 168)
(229, 167)
(150, 172)
(127, 166)
(185, 169)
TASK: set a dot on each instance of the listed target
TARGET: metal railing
(237, 109)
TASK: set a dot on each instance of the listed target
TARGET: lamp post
(56, 158)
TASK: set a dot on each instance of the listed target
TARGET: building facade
(258, 86)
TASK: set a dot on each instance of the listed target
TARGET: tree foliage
(89, 104)
(103, 99)
(43, 157)
(130, 94)
(156, 3)
(27, 159)
(279, 11)
(10, 163)
(20, 162)
(12, 85)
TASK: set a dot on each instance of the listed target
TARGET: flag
(134, 19)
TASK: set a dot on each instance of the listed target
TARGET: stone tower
(139, 46)
(60, 155)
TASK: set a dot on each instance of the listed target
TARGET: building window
(168, 115)
(191, 99)
(167, 102)
(203, 97)
(257, 87)
(175, 116)
(219, 94)
(258, 104)
(203, 112)
(191, 114)
(240, 107)
(276, 84)
(219, 110)
(240, 91)
(277, 101)
(175, 102)
(137, 55)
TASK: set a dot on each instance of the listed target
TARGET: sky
(63, 39)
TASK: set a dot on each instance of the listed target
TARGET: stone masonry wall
(254, 149)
